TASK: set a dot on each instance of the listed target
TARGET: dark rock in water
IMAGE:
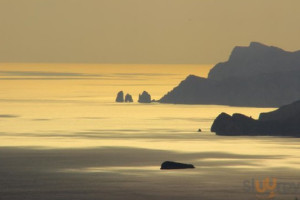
(284, 121)
(145, 97)
(120, 97)
(175, 165)
(253, 76)
(128, 98)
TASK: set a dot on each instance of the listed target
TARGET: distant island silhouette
(284, 121)
(145, 97)
(128, 98)
(167, 165)
(254, 76)
(120, 97)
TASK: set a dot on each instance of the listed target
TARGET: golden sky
(142, 31)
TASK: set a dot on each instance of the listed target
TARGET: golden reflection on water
(72, 106)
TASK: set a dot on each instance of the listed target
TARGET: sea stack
(145, 97)
(120, 97)
(128, 98)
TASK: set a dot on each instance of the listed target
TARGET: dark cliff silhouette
(120, 97)
(257, 75)
(284, 121)
(145, 97)
(128, 98)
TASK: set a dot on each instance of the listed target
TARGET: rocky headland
(284, 121)
(254, 76)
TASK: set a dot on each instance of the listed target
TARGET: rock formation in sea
(120, 97)
(284, 121)
(257, 75)
(175, 165)
(128, 98)
(145, 97)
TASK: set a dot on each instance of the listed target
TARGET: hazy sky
(142, 31)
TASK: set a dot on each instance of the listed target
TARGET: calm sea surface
(63, 137)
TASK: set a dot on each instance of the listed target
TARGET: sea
(63, 137)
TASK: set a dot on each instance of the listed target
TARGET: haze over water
(63, 137)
